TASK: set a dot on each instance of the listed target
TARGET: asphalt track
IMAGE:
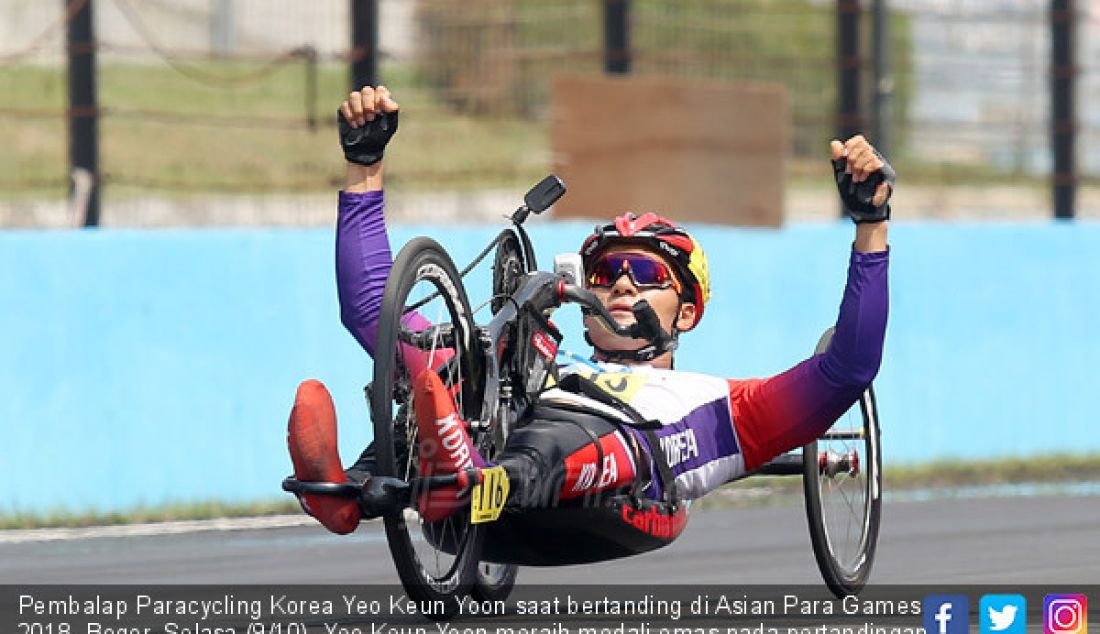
(1044, 539)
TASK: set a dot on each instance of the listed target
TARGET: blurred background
(203, 107)
(160, 354)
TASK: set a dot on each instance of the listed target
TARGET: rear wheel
(842, 480)
(425, 322)
(508, 268)
(494, 582)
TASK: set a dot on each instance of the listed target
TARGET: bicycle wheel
(494, 582)
(842, 481)
(435, 560)
(508, 268)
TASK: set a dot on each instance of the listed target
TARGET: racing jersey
(697, 436)
(712, 429)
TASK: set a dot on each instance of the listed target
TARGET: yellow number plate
(488, 497)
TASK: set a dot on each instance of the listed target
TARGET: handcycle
(496, 371)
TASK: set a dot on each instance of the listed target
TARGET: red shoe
(445, 446)
(311, 437)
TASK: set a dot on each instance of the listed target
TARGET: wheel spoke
(434, 559)
(842, 500)
(435, 340)
(844, 497)
(847, 535)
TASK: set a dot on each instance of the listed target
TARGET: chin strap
(646, 353)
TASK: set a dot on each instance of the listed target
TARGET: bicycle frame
(508, 360)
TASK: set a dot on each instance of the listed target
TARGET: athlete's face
(621, 296)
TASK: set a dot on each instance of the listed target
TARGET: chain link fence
(976, 125)
(221, 111)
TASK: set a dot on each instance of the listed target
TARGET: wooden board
(695, 151)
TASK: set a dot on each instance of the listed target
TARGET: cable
(225, 121)
(225, 187)
(71, 10)
(199, 75)
(168, 118)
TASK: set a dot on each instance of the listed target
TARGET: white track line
(154, 528)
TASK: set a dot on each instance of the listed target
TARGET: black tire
(494, 582)
(508, 267)
(843, 505)
(435, 561)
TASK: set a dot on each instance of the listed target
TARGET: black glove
(366, 144)
(857, 197)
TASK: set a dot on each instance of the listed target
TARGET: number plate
(489, 496)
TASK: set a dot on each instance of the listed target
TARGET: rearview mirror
(546, 193)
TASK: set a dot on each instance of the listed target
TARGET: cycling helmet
(662, 236)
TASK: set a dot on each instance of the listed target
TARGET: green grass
(162, 131)
(756, 491)
(167, 513)
(944, 475)
(1052, 468)
(475, 107)
(469, 120)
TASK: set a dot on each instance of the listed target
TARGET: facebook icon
(946, 614)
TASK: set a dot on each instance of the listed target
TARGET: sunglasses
(645, 271)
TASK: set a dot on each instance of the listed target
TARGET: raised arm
(363, 260)
(780, 413)
(368, 119)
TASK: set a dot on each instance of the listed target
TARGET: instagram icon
(1065, 614)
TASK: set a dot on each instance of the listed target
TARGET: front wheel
(509, 267)
(425, 323)
(494, 582)
(842, 480)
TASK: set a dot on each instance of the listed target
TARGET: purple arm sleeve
(855, 353)
(777, 414)
(363, 261)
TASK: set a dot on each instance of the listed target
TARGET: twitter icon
(1002, 614)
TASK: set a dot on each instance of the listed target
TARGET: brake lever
(647, 324)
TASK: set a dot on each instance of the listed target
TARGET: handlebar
(646, 324)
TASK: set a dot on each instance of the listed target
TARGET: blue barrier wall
(159, 366)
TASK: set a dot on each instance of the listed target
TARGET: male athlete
(580, 442)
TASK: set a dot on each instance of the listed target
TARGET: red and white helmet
(661, 236)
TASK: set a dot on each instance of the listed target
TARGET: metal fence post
(849, 116)
(1063, 71)
(883, 80)
(364, 43)
(223, 31)
(616, 36)
(83, 116)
